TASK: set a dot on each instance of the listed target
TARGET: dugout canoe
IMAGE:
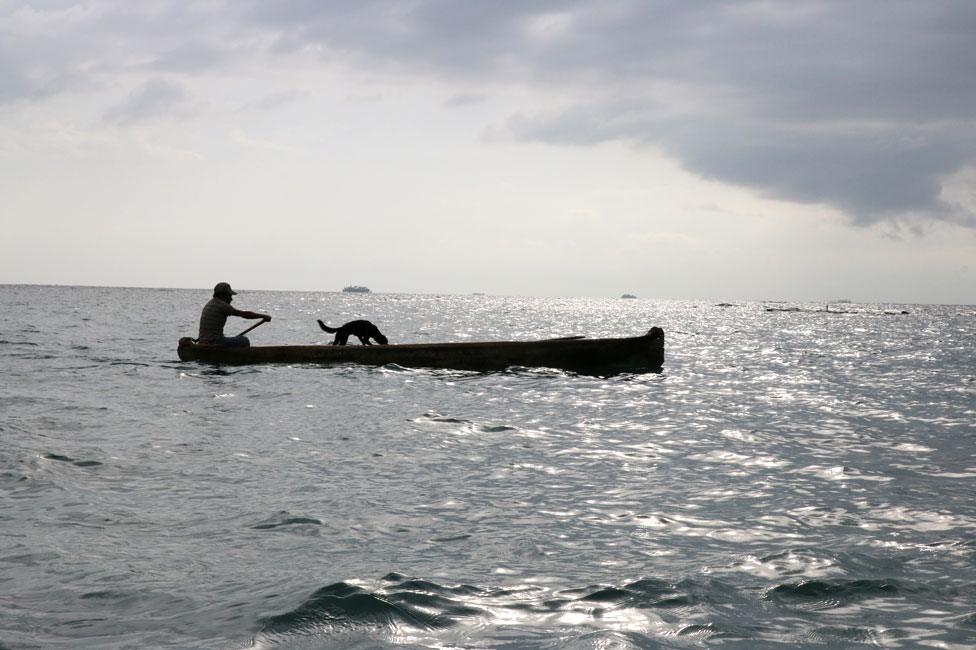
(578, 354)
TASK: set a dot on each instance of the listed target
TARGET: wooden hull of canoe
(576, 354)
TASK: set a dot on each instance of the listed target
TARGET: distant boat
(355, 289)
(828, 310)
(629, 296)
(574, 353)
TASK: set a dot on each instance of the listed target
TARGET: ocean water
(789, 480)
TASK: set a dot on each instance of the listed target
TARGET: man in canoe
(214, 317)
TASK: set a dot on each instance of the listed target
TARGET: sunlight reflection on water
(789, 478)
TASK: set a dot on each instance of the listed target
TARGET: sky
(803, 150)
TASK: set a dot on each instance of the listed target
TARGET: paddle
(263, 321)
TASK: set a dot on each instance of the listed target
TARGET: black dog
(361, 329)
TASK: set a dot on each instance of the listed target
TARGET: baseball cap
(223, 288)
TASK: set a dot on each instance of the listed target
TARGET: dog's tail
(330, 330)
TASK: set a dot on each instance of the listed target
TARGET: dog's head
(382, 340)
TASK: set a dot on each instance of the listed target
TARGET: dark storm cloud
(871, 172)
(802, 60)
(865, 106)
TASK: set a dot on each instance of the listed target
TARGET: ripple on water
(829, 594)
(646, 612)
(343, 606)
(73, 461)
(769, 488)
(288, 521)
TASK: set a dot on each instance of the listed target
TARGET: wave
(643, 613)
(343, 606)
(73, 461)
(830, 594)
(402, 604)
(284, 519)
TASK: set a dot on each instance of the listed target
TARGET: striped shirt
(212, 320)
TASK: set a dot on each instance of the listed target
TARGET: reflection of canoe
(574, 353)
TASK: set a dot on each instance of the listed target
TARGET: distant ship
(629, 296)
(355, 289)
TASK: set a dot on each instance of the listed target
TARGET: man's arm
(248, 314)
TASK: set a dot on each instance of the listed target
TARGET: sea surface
(790, 479)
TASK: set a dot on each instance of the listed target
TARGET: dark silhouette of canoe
(575, 353)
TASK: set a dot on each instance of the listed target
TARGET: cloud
(870, 172)
(40, 55)
(465, 99)
(866, 107)
(190, 57)
(276, 100)
(13, 85)
(157, 97)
